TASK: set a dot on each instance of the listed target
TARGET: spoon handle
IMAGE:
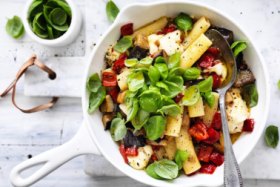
(232, 174)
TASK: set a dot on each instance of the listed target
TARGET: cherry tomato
(206, 60)
(109, 78)
(119, 64)
(113, 92)
(178, 98)
(217, 121)
(204, 153)
(217, 158)
(131, 151)
(248, 125)
(199, 131)
(122, 151)
(127, 29)
(154, 157)
(216, 81)
(214, 136)
(207, 168)
(168, 29)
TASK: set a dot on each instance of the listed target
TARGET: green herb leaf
(155, 127)
(162, 85)
(133, 110)
(206, 85)
(140, 119)
(58, 16)
(123, 44)
(192, 73)
(209, 98)
(118, 129)
(14, 27)
(150, 100)
(176, 72)
(191, 95)
(111, 10)
(238, 46)
(162, 68)
(35, 8)
(96, 98)
(154, 74)
(135, 81)
(146, 61)
(50, 31)
(166, 169)
(272, 136)
(177, 80)
(171, 110)
(150, 170)
(184, 22)
(278, 84)
(93, 83)
(130, 62)
(180, 158)
(174, 89)
(250, 95)
(174, 60)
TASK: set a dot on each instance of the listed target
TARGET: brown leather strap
(30, 62)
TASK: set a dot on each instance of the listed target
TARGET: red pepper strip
(217, 158)
(119, 64)
(109, 78)
(217, 121)
(131, 151)
(199, 131)
(122, 151)
(214, 136)
(248, 125)
(207, 168)
(216, 80)
(214, 51)
(127, 29)
(114, 92)
(178, 98)
(204, 153)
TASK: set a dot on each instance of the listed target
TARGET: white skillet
(92, 139)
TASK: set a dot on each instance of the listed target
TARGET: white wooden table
(24, 135)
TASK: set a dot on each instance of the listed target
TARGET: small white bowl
(66, 38)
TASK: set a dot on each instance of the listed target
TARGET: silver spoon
(232, 174)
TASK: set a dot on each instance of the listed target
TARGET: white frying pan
(92, 139)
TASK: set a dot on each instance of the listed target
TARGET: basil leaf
(58, 16)
(150, 100)
(162, 85)
(93, 83)
(140, 119)
(174, 60)
(14, 27)
(50, 31)
(135, 81)
(278, 84)
(123, 44)
(61, 4)
(146, 61)
(130, 62)
(155, 127)
(133, 110)
(180, 158)
(177, 80)
(209, 98)
(250, 95)
(176, 71)
(35, 8)
(96, 98)
(118, 129)
(154, 74)
(191, 95)
(174, 89)
(184, 22)
(206, 85)
(167, 101)
(272, 136)
(237, 47)
(161, 66)
(166, 169)
(192, 73)
(150, 170)
(111, 10)
(171, 110)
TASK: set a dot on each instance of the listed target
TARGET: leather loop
(30, 62)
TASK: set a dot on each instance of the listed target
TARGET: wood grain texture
(23, 135)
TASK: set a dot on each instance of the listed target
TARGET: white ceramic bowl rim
(211, 9)
(51, 42)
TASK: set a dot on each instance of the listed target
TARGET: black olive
(227, 34)
(138, 52)
(131, 140)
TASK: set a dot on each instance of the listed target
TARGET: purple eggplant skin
(138, 52)
(131, 140)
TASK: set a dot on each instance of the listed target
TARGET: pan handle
(50, 160)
